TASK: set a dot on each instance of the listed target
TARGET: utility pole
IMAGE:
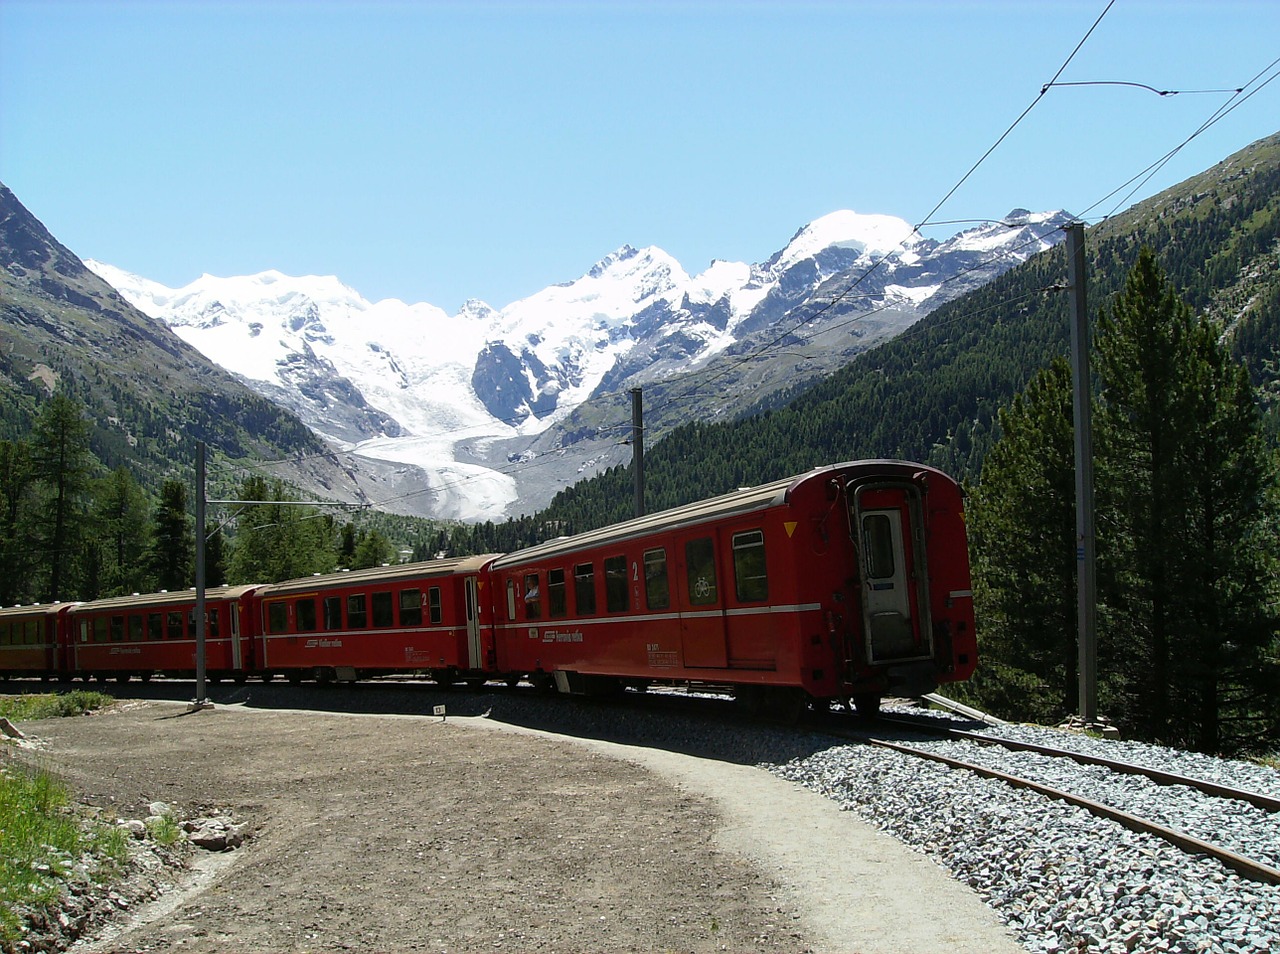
(202, 698)
(637, 445)
(1086, 570)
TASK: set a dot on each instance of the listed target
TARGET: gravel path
(403, 833)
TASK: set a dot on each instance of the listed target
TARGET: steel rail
(1247, 867)
(1268, 803)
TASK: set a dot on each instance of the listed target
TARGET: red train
(850, 581)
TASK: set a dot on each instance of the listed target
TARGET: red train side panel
(850, 580)
(29, 639)
(413, 616)
(156, 632)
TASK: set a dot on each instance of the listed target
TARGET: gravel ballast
(1061, 878)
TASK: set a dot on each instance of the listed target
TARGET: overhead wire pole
(201, 700)
(637, 444)
(1086, 563)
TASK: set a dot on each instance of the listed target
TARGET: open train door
(475, 651)
(889, 535)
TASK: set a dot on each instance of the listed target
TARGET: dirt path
(384, 833)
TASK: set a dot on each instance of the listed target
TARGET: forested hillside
(933, 393)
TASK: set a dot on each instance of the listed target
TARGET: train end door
(889, 535)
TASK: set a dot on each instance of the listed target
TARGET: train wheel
(512, 681)
(785, 704)
(750, 699)
(145, 677)
(295, 677)
(122, 677)
(268, 676)
(867, 704)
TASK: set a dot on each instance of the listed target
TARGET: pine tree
(173, 547)
(374, 549)
(16, 498)
(277, 541)
(120, 524)
(1021, 522)
(61, 463)
(1186, 529)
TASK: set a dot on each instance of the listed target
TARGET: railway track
(1243, 865)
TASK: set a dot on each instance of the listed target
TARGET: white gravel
(1062, 879)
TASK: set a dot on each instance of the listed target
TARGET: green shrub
(28, 708)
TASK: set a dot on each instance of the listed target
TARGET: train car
(29, 640)
(142, 635)
(412, 617)
(848, 582)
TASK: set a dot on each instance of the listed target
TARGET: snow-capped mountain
(462, 396)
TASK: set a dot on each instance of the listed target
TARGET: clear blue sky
(443, 151)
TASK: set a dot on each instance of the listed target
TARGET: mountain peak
(623, 254)
(873, 235)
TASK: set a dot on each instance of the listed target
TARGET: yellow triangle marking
(791, 527)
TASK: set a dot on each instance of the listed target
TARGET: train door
(702, 621)
(475, 652)
(237, 650)
(890, 542)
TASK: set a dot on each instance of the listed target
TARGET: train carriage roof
(379, 574)
(143, 601)
(33, 609)
(745, 500)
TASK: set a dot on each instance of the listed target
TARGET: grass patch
(42, 838)
(39, 842)
(50, 705)
(164, 830)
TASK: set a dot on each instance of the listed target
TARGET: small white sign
(438, 710)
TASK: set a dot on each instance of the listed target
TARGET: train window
(357, 617)
(700, 566)
(657, 589)
(616, 592)
(135, 628)
(511, 599)
(877, 537)
(411, 607)
(584, 588)
(383, 614)
(333, 612)
(173, 623)
(532, 597)
(4, 634)
(557, 593)
(117, 629)
(305, 611)
(433, 604)
(33, 631)
(100, 629)
(211, 620)
(750, 579)
(155, 626)
(277, 616)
